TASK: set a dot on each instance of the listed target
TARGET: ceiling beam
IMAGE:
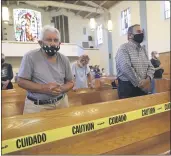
(74, 3)
(98, 6)
(47, 8)
(91, 3)
(60, 8)
(64, 5)
(79, 11)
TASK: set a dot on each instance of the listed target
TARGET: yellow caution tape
(28, 141)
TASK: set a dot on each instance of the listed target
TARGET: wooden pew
(148, 135)
(15, 85)
(100, 85)
(11, 91)
(165, 62)
(162, 85)
(104, 82)
(99, 96)
(80, 97)
(14, 105)
(12, 109)
(13, 101)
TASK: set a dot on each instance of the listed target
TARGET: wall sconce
(92, 24)
(109, 25)
(5, 15)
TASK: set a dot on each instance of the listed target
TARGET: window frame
(128, 18)
(166, 11)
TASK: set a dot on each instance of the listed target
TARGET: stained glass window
(125, 20)
(27, 24)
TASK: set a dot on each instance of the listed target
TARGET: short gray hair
(130, 29)
(51, 29)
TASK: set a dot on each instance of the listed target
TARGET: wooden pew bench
(148, 135)
(80, 97)
(12, 109)
(162, 85)
(75, 99)
(165, 62)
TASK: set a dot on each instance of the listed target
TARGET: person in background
(16, 77)
(96, 71)
(157, 65)
(92, 71)
(46, 74)
(91, 68)
(114, 84)
(6, 74)
(103, 72)
(98, 68)
(134, 69)
(81, 72)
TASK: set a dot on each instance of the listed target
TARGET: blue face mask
(51, 50)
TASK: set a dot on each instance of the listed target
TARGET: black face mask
(138, 37)
(2, 61)
(51, 50)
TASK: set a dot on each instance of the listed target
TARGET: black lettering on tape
(101, 123)
(44, 138)
(83, 128)
(148, 111)
(117, 119)
(31, 140)
(18, 143)
(167, 106)
(4, 147)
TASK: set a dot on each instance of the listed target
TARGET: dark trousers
(127, 90)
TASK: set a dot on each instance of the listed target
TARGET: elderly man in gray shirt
(81, 73)
(46, 74)
(134, 70)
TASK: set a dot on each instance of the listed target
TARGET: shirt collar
(134, 44)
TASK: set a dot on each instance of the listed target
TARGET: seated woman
(158, 69)
(157, 65)
(97, 71)
(103, 72)
(6, 74)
